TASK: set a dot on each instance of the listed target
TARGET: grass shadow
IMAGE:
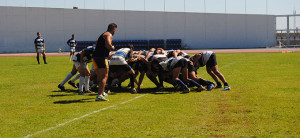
(67, 91)
(73, 101)
(60, 95)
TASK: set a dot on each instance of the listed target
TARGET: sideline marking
(86, 115)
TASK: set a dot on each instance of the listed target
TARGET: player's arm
(35, 46)
(147, 56)
(175, 54)
(44, 47)
(68, 42)
(196, 58)
(108, 41)
(75, 44)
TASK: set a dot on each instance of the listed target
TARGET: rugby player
(72, 44)
(100, 62)
(80, 64)
(39, 44)
(209, 59)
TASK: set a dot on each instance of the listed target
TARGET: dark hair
(111, 26)
(37, 33)
(130, 46)
(73, 34)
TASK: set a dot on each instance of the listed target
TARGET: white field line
(86, 115)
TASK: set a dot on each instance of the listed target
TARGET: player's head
(38, 34)
(152, 49)
(130, 46)
(112, 28)
(73, 36)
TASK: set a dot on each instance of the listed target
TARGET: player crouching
(119, 68)
(80, 64)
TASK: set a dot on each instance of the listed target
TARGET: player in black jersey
(103, 47)
(72, 44)
(39, 44)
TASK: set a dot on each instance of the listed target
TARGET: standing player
(72, 44)
(39, 44)
(103, 47)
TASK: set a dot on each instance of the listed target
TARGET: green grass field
(264, 101)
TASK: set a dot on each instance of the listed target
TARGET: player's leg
(221, 76)
(212, 74)
(44, 57)
(101, 68)
(131, 74)
(87, 79)
(81, 70)
(69, 76)
(38, 57)
(71, 53)
(175, 77)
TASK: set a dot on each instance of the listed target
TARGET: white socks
(86, 82)
(75, 78)
(81, 83)
(69, 76)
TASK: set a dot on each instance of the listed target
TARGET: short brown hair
(111, 26)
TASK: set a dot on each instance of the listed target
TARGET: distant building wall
(18, 27)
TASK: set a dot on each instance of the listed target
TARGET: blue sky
(212, 6)
(273, 7)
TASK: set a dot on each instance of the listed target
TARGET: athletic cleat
(218, 86)
(104, 94)
(201, 88)
(133, 91)
(186, 90)
(45, 63)
(211, 86)
(226, 88)
(100, 98)
(81, 93)
(72, 84)
(62, 88)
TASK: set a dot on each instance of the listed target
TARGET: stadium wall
(18, 27)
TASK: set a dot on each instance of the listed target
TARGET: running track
(259, 50)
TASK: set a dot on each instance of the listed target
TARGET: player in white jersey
(173, 67)
(208, 59)
(72, 44)
(157, 56)
(118, 66)
(39, 44)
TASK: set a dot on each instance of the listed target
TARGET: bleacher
(158, 43)
(173, 44)
(138, 44)
(83, 44)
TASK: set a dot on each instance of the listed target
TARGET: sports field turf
(264, 101)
